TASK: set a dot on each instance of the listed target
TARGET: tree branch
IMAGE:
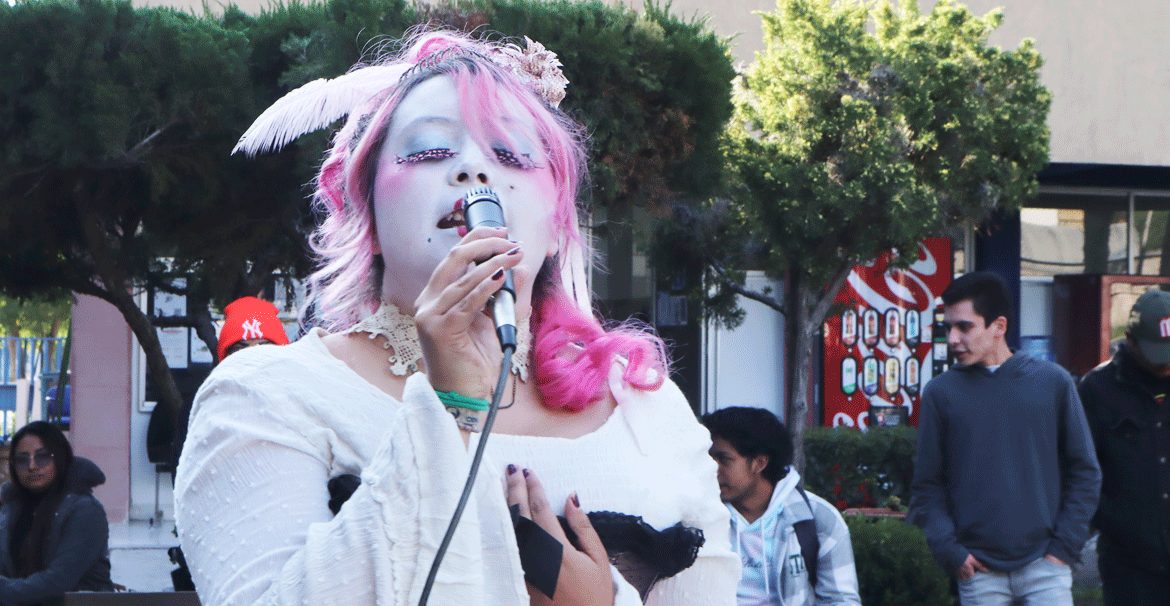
(821, 308)
(743, 291)
(174, 322)
(144, 146)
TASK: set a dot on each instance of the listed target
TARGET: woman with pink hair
(590, 427)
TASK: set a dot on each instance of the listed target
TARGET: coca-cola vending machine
(886, 342)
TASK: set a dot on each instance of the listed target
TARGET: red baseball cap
(249, 318)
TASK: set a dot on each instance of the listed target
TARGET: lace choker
(406, 351)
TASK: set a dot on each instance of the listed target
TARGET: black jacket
(1132, 436)
(77, 547)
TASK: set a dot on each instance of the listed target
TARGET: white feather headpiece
(321, 102)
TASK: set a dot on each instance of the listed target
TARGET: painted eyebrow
(428, 120)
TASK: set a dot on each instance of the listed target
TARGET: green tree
(116, 125)
(37, 317)
(848, 141)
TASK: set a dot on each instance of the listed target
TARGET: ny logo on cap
(252, 328)
(1164, 326)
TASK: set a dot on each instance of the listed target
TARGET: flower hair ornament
(319, 103)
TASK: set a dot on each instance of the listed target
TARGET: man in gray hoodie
(1006, 479)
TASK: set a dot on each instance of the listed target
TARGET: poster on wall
(880, 349)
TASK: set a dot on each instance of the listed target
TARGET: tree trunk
(802, 360)
(200, 314)
(113, 286)
(156, 362)
(807, 318)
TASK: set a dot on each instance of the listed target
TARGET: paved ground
(138, 555)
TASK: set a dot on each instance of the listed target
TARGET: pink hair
(572, 354)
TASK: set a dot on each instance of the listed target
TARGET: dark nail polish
(576, 503)
(514, 250)
(526, 473)
(499, 274)
(511, 469)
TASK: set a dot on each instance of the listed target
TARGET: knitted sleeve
(252, 515)
(680, 445)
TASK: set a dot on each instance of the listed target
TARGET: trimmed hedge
(894, 565)
(850, 468)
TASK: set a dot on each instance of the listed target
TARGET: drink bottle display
(912, 333)
(940, 355)
(849, 375)
(870, 327)
(913, 372)
(893, 332)
(869, 376)
(893, 381)
(849, 329)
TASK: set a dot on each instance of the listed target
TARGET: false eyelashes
(430, 154)
(504, 156)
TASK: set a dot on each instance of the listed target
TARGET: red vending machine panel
(880, 349)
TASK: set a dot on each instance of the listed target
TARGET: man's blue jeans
(1040, 583)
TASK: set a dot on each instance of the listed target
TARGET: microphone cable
(505, 370)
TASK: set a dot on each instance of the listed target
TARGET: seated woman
(53, 534)
(402, 289)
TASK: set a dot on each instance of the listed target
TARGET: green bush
(850, 468)
(894, 565)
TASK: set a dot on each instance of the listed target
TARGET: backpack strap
(810, 543)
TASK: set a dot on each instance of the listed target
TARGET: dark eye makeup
(430, 154)
(504, 156)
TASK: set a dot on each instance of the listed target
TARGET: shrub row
(850, 468)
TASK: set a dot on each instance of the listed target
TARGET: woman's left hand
(584, 578)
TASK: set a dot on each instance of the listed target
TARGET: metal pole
(1129, 236)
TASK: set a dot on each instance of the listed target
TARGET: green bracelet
(450, 398)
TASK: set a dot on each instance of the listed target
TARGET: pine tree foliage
(116, 124)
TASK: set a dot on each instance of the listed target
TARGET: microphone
(481, 206)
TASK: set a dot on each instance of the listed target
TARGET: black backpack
(810, 543)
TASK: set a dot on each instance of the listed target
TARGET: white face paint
(429, 160)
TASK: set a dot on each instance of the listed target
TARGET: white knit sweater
(271, 426)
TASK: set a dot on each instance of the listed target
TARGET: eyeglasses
(41, 457)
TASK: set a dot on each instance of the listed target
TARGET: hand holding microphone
(481, 206)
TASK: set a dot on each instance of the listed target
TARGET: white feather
(316, 105)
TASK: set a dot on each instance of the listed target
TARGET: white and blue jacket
(774, 571)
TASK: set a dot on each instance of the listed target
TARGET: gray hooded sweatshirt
(1006, 469)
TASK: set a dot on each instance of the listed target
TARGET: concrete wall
(100, 365)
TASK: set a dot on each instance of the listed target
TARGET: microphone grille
(481, 192)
